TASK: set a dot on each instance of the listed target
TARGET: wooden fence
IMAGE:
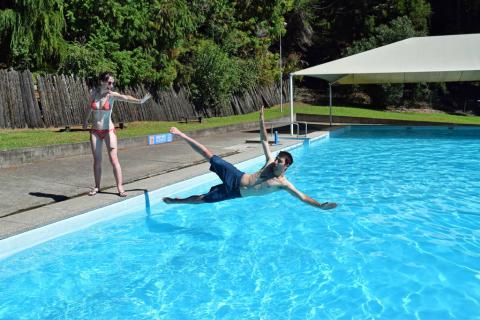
(18, 106)
(60, 100)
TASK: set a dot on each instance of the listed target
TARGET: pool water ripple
(403, 244)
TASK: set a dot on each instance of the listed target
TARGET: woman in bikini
(103, 129)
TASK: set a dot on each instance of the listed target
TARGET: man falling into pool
(236, 184)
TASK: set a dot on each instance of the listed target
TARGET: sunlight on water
(403, 244)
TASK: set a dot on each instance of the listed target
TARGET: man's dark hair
(288, 157)
(104, 76)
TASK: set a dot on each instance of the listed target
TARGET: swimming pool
(404, 244)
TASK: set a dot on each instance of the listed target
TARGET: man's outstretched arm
(264, 137)
(293, 191)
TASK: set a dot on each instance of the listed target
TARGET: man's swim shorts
(230, 176)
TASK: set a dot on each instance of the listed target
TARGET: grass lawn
(367, 113)
(22, 138)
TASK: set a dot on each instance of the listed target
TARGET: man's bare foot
(328, 205)
(174, 130)
(169, 200)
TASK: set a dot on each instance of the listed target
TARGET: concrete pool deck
(43, 192)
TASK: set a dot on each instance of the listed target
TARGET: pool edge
(19, 242)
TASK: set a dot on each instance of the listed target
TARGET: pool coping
(81, 220)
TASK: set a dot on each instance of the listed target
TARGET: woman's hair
(103, 77)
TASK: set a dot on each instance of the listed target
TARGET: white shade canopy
(420, 59)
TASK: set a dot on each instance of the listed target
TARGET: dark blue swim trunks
(230, 176)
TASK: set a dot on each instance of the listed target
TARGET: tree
(399, 29)
(214, 76)
(32, 33)
(337, 24)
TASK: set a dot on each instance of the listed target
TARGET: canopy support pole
(291, 103)
(281, 76)
(330, 101)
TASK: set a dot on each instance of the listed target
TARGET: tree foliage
(214, 47)
(31, 32)
(167, 42)
(399, 29)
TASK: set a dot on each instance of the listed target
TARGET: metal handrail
(296, 124)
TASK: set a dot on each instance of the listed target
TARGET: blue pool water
(403, 244)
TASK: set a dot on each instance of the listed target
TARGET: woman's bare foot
(121, 192)
(93, 192)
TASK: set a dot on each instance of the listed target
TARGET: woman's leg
(97, 146)
(111, 141)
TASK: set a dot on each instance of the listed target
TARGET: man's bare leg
(191, 199)
(202, 150)
(197, 146)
